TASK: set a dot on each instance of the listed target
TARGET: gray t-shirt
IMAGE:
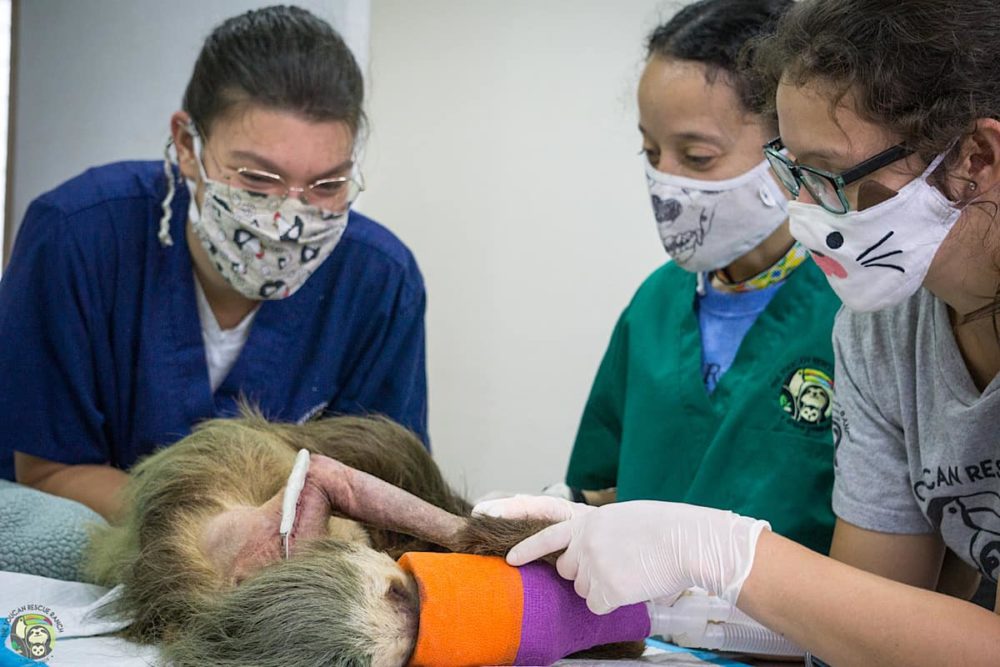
(917, 444)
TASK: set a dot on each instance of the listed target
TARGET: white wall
(504, 153)
(97, 80)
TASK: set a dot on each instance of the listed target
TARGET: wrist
(772, 561)
(745, 537)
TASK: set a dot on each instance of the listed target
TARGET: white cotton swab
(293, 489)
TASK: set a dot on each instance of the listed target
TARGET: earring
(972, 186)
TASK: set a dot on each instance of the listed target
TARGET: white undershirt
(222, 346)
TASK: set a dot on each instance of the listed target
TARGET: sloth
(204, 573)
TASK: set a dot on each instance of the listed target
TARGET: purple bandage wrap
(556, 621)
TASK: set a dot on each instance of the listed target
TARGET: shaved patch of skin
(366, 498)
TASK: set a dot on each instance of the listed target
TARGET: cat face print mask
(705, 225)
(878, 257)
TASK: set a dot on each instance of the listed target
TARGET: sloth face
(346, 602)
(333, 572)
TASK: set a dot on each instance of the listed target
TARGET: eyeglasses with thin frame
(825, 187)
(334, 194)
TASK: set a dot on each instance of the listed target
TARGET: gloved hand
(524, 506)
(559, 490)
(494, 495)
(637, 551)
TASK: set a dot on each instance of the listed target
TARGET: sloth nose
(401, 594)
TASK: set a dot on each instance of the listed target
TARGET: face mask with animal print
(877, 257)
(265, 246)
(705, 225)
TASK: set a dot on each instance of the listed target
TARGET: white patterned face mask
(265, 246)
(878, 257)
(705, 225)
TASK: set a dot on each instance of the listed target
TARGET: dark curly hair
(924, 69)
(717, 33)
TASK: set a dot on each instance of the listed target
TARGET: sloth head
(335, 603)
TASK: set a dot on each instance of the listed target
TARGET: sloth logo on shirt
(807, 396)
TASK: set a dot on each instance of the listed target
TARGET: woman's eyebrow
(690, 137)
(262, 161)
(698, 136)
(259, 160)
(826, 157)
(339, 169)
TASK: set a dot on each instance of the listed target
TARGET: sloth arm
(331, 485)
(243, 540)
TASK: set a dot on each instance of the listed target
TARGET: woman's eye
(651, 154)
(258, 179)
(329, 188)
(699, 161)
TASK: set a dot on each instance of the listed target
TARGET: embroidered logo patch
(807, 396)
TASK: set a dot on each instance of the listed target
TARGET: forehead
(278, 134)
(682, 96)
(818, 125)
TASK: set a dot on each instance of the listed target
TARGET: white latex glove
(559, 490)
(532, 507)
(631, 552)
(494, 495)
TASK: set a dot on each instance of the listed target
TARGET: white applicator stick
(293, 489)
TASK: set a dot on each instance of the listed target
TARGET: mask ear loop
(937, 175)
(164, 234)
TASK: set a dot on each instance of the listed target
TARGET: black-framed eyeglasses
(825, 187)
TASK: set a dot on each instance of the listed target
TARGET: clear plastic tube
(699, 620)
(755, 639)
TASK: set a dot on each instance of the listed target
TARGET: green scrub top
(759, 445)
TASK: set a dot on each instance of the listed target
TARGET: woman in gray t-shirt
(889, 114)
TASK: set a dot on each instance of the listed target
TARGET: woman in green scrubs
(717, 386)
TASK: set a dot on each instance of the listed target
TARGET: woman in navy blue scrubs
(144, 297)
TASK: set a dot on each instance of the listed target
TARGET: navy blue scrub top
(101, 352)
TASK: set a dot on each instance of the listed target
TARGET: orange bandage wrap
(470, 610)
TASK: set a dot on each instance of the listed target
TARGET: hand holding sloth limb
(644, 550)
